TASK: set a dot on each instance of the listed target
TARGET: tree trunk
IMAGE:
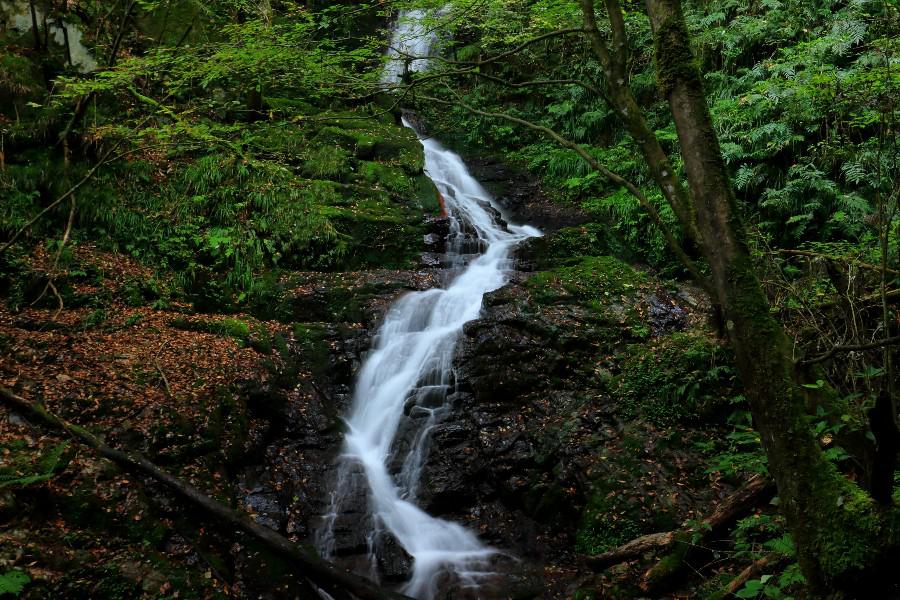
(837, 528)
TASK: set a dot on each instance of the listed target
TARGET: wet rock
(520, 197)
(431, 259)
(394, 563)
(434, 242)
(665, 314)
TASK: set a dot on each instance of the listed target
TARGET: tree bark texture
(838, 530)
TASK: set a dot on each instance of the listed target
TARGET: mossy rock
(379, 231)
(327, 162)
(402, 148)
(612, 289)
(359, 143)
(289, 106)
(570, 244)
(283, 138)
(590, 279)
(386, 177)
(679, 378)
(428, 195)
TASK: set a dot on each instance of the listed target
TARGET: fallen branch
(631, 550)
(753, 570)
(332, 579)
(165, 379)
(835, 258)
(728, 510)
(888, 295)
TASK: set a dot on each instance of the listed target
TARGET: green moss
(386, 177)
(327, 162)
(606, 522)
(677, 378)
(669, 565)
(311, 337)
(428, 194)
(283, 139)
(236, 328)
(673, 56)
(401, 147)
(852, 529)
(608, 286)
(571, 244)
(592, 278)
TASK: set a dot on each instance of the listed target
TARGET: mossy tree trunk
(840, 533)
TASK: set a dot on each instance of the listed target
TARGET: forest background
(217, 150)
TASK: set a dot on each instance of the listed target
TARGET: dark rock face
(519, 195)
(666, 315)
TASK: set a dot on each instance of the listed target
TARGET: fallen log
(725, 512)
(753, 570)
(327, 576)
(631, 550)
(728, 511)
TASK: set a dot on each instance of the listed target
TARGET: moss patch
(678, 378)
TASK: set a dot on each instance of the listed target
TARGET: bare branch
(851, 348)
(836, 258)
(103, 160)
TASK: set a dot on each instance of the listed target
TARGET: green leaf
(13, 582)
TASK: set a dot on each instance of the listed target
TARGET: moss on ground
(610, 288)
(674, 379)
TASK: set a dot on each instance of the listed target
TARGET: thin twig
(61, 199)
(851, 348)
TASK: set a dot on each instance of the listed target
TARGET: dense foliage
(246, 157)
(247, 113)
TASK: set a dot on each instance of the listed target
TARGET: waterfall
(410, 38)
(408, 374)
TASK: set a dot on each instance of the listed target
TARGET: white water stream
(411, 361)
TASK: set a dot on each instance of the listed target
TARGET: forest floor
(140, 377)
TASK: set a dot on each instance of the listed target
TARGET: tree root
(337, 582)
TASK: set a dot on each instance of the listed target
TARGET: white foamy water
(412, 360)
(408, 373)
(410, 38)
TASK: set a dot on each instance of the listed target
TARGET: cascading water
(410, 38)
(408, 374)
